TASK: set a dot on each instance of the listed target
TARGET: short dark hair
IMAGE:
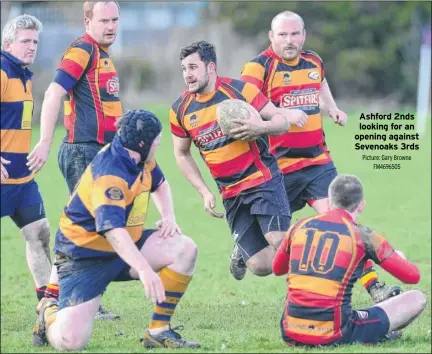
(346, 192)
(206, 51)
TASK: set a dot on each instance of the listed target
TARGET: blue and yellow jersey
(16, 118)
(235, 165)
(292, 84)
(327, 254)
(113, 193)
(93, 105)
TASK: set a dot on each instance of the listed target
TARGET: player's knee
(38, 231)
(189, 251)
(74, 340)
(259, 266)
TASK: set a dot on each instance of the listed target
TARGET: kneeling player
(324, 256)
(101, 239)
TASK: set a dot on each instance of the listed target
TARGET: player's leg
(384, 321)
(30, 218)
(295, 182)
(73, 160)
(67, 324)
(175, 259)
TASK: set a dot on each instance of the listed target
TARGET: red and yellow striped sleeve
(4, 82)
(253, 72)
(254, 96)
(73, 65)
(176, 128)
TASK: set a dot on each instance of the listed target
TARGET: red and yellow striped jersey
(113, 193)
(93, 105)
(324, 256)
(234, 164)
(16, 118)
(292, 84)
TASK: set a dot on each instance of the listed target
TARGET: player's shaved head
(286, 15)
(346, 192)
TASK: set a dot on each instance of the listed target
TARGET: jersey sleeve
(253, 72)
(376, 245)
(176, 128)
(4, 82)
(310, 54)
(157, 178)
(109, 195)
(281, 260)
(254, 96)
(73, 65)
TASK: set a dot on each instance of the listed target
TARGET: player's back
(327, 254)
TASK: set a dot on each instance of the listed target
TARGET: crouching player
(101, 239)
(324, 255)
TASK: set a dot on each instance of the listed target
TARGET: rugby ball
(231, 109)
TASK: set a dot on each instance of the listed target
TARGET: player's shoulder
(261, 59)
(182, 98)
(5, 65)
(307, 53)
(368, 235)
(82, 43)
(235, 83)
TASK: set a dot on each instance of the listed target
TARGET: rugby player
(245, 172)
(324, 255)
(292, 77)
(101, 239)
(20, 196)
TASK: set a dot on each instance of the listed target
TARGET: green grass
(223, 314)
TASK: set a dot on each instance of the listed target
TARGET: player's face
(287, 38)
(195, 73)
(104, 23)
(24, 47)
(153, 148)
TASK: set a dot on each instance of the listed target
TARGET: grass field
(223, 314)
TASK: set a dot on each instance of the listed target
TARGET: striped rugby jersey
(113, 193)
(292, 84)
(16, 118)
(93, 105)
(327, 254)
(234, 164)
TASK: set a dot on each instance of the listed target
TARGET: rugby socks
(175, 285)
(50, 315)
(369, 276)
(40, 292)
(52, 291)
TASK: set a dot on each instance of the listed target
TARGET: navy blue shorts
(256, 212)
(309, 184)
(83, 280)
(366, 326)
(22, 202)
(73, 160)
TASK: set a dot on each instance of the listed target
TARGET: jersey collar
(270, 52)
(92, 40)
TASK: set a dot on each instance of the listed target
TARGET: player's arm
(71, 68)
(110, 220)
(280, 265)
(383, 254)
(3, 173)
(162, 197)
(3, 82)
(329, 104)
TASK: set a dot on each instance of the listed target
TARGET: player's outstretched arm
(49, 115)
(190, 170)
(401, 268)
(120, 240)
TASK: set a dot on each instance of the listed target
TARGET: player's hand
(248, 129)
(295, 117)
(210, 204)
(4, 173)
(167, 227)
(38, 156)
(338, 116)
(153, 286)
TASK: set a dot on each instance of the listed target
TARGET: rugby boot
(391, 336)
(237, 264)
(380, 292)
(167, 339)
(103, 314)
(39, 330)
